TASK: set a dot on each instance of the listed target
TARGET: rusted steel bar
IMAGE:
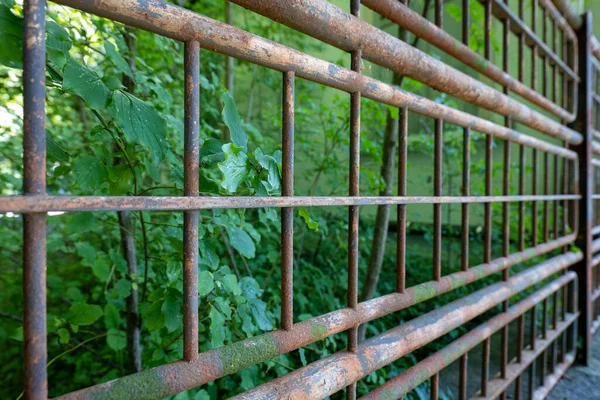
(487, 240)
(331, 24)
(485, 364)
(402, 165)
(462, 385)
(287, 214)
(565, 8)
(546, 189)
(534, 47)
(534, 192)
(437, 207)
(419, 26)
(435, 387)
(419, 373)
(584, 182)
(25, 204)
(214, 364)
(328, 375)
(245, 46)
(551, 380)
(498, 386)
(521, 193)
(466, 190)
(191, 164)
(556, 203)
(34, 185)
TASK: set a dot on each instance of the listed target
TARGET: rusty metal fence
(557, 216)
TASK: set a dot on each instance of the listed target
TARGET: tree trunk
(134, 354)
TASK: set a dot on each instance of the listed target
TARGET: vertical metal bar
(34, 184)
(545, 60)
(401, 238)
(287, 213)
(534, 49)
(435, 387)
(504, 350)
(556, 203)
(437, 207)
(437, 173)
(520, 338)
(466, 190)
(355, 61)
(462, 386)
(534, 205)
(521, 192)
(485, 365)
(521, 73)
(584, 237)
(546, 192)
(487, 244)
(531, 383)
(506, 166)
(466, 22)
(518, 391)
(191, 155)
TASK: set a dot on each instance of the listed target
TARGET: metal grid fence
(558, 200)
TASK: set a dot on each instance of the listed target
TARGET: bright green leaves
(89, 172)
(117, 59)
(85, 83)
(235, 168)
(241, 241)
(271, 165)
(81, 314)
(11, 31)
(171, 309)
(141, 123)
(310, 223)
(58, 44)
(217, 328)
(232, 119)
(206, 284)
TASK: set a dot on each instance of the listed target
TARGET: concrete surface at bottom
(581, 383)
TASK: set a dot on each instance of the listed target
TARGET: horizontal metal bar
(332, 25)
(497, 386)
(421, 27)
(551, 380)
(23, 204)
(166, 19)
(400, 385)
(595, 162)
(595, 230)
(502, 11)
(331, 374)
(595, 246)
(572, 16)
(235, 357)
(596, 148)
(595, 47)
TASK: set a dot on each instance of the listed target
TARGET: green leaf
(206, 283)
(85, 83)
(141, 124)
(223, 306)
(116, 339)
(171, 309)
(310, 223)
(211, 151)
(112, 319)
(241, 241)
(11, 32)
(231, 284)
(217, 328)
(101, 269)
(258, 309)
(250, 288)
(270, 165)
(117, 59)
(202, 395)
(123, 288)
(86, 252)
(232, 119)
(89, 172)
(83, 314)
(243, 312)
(58, 44)
(55, 152)
(81, 222)
(154, 318)
(64, 335)
(235, 168)
(121, 178)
